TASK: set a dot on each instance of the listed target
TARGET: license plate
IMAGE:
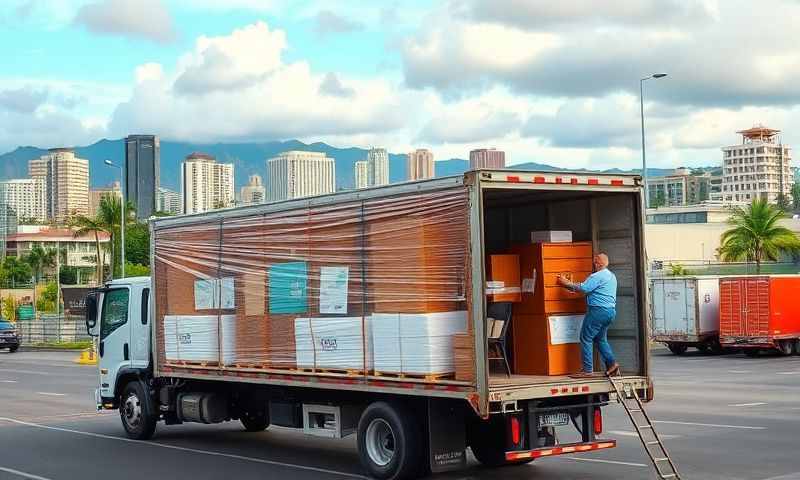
(553, 419)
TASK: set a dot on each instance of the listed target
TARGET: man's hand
(563, 281)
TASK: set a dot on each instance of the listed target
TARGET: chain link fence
(53, 329)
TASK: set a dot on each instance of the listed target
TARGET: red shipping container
(760, 312)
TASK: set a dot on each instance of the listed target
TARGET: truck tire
(137, 412)
(255, 421)
(487, 440)
(677, 348)
(13, 349)
(390, 442)
(786, 347)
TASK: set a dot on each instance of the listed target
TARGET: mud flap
(446, 435)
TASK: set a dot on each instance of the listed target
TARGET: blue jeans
(595, 330)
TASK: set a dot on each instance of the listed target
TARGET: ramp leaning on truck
(365, 313)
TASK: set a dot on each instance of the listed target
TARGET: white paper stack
(195, 338)
(336, 343)
(551, 236)
(416, 344)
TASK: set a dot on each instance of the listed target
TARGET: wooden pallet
(337, 371)
(259, 366)
(431, 377)
(189, 363)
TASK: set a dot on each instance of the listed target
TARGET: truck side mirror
(91, 312)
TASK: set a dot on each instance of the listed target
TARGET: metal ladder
(627, 396)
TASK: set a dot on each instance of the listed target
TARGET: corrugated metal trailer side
(685, 312)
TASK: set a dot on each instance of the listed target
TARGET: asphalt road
(722, 417)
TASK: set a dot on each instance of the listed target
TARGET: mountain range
(248, 158)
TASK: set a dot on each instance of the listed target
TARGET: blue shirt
(600, 289)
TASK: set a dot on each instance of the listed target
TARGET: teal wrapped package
(288, 288)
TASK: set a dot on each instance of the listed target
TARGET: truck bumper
(561, 450)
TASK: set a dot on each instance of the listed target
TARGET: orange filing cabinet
(503, 277)
(542, 298)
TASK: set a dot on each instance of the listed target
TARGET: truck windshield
(115, 311)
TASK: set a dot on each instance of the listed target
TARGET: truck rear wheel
(487, 440)
(255, 421)
(137, 411)
(390, 442)
(786, 347)
(677, 348)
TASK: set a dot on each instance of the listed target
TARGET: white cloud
(329, 23)
(23, 100)
(148, 19)
(257, 95)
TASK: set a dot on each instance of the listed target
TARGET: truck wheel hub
(380, 442)
(132, 410)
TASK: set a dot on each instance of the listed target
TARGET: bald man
(601, 300)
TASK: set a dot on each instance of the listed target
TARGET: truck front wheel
(137, 411)
(256, 421)
(677, 348)
(390, 442)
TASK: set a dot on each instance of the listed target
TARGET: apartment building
(26, 197)
(296, 174)
(758, 167)
(487, 158)
(96, 196)
(361, 175)
(419, 164)
(205, 184)
(254, 192)
(377, 167)
(66, 183)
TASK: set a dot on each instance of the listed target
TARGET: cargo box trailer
(760, 313)
(684, 312)
(366, 313)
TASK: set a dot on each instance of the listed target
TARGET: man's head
(600, 261)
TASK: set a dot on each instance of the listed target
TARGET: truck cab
(118, 316)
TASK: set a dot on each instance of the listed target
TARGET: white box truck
(154, 367)
(685, 313)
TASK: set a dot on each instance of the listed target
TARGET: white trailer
(685, 313)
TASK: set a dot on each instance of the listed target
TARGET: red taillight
(515, 436)
(598, 421)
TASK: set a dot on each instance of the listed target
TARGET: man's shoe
(613, 370)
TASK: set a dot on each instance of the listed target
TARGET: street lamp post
(123, 218)
(644, 156)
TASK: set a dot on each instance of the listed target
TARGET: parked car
(9, 338)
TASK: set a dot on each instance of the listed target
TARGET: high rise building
(759, 167)
(66, 183)
(296, 174)
(142, 171)
(205, 184)
(487, 158)
(377, 167)
(27, 197)
(8, 225)
(168, 201)
(362, 179)
(96, 196)
(254, 192)
(419, 164)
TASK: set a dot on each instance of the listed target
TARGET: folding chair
(500, 311)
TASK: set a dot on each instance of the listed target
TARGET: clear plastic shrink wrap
(375, 287)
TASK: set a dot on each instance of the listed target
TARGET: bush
(136, 270)
(47, 300)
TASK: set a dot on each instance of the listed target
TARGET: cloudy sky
(553, 82)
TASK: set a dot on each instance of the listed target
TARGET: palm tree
(39, 259)
(109, 214)
(85, 225)
(756, 235)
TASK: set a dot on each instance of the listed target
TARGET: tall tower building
(205, 184)
(296, 174)
(27, 197)
(66, 180)
(419, 164)
(487, 158)
(377, 167)
(759, 167)
(362, 178)
(254, 192)
(142, 171)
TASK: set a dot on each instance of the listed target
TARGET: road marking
(754, 404)
(715, 425)
(788, 373)
(8, 381)
(791, 476)
(184, 449)
(28, 372)
(22, 474)
(613, 462)
(628, 433)
(739, 371)
(51, 394)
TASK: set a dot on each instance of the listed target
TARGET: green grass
(65, 345)
(766, 269)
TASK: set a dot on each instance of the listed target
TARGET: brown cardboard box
(464, 355)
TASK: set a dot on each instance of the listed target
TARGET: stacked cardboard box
(464, 357)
